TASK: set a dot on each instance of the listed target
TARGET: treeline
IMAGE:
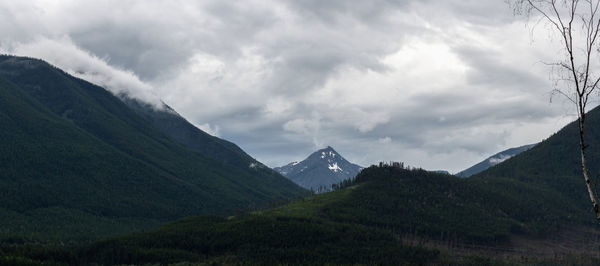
(255, 239)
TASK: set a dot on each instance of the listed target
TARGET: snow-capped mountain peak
(328, 153)
(320, 170)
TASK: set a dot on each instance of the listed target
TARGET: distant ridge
(493, 160)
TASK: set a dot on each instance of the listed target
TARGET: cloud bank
(437, 84)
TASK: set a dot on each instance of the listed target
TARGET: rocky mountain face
(320, 170)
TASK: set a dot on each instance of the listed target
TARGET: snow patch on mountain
(335, 167)
(499, 159)
(327, 154)
(493, 160)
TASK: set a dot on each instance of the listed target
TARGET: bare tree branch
(578, 82)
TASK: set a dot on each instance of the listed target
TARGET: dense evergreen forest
(387, 215)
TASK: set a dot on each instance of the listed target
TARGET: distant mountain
(320, 170)
(493, 160)
(76, 162)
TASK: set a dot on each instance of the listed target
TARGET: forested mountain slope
(72, 149)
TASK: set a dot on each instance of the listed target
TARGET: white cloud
(386, 140)
(497, 160)
(213, 130)
(77, 62)
(303, 126)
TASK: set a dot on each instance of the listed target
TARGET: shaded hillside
(310, 231)
(320, 170)
(493, 160)
(73, 149)
(271, 240)
(381, 202)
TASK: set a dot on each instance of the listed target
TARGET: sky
(438, 84)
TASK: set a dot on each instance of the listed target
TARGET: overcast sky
(440, 84)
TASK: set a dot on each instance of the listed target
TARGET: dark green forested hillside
(374, 219)
(367, 221)
(76, 162)
(307, 231)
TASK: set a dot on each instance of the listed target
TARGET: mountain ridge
(116, 164)
(493, 160)
(178, 128)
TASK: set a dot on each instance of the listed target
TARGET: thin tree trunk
(586, 176)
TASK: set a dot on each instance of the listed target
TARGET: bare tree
(577, 24)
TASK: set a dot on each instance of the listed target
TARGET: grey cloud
(487, 69)
(332, 11)
(159, 36)
(222, 63)
(476, 12)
